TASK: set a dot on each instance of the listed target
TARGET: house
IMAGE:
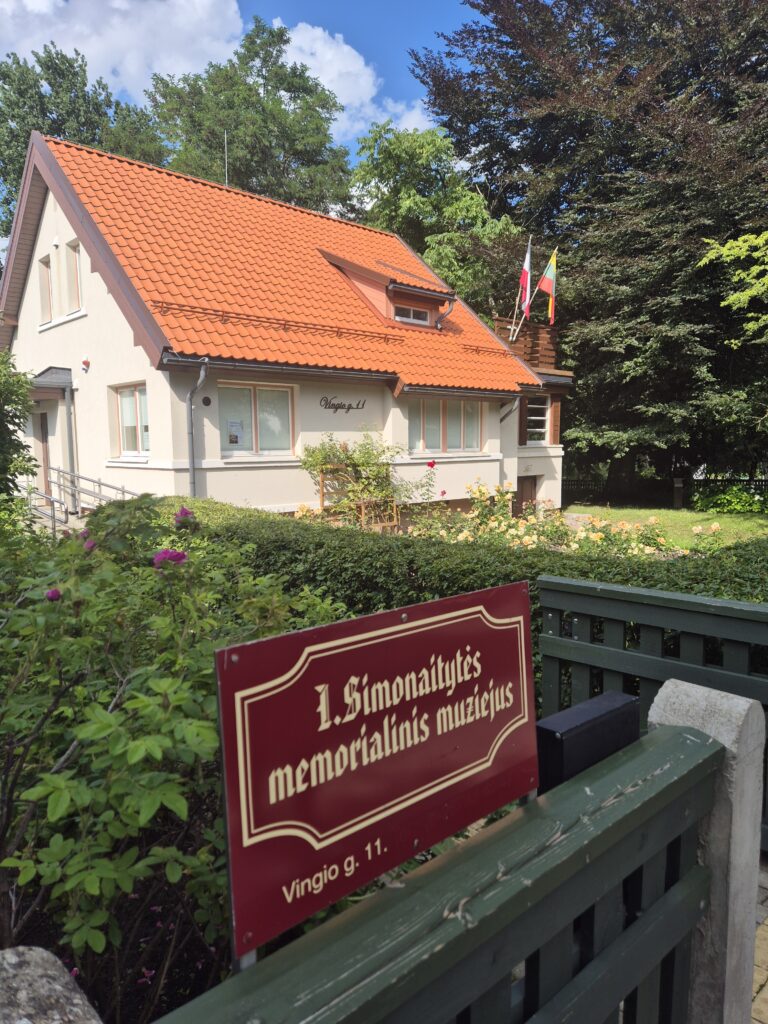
(188, 338)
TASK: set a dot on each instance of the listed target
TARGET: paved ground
(760, 976)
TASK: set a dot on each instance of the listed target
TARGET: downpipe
(191, 425)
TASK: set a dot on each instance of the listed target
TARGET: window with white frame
(443, 425)
(537, 418)
(411, 315)
(74, 287)
(133, 419)
(255, 419)
(46, 290)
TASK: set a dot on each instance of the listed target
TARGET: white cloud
(124, 41)
(343, 69)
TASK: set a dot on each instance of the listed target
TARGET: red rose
(431, 464)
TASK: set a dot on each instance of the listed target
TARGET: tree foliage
(15, 407)
(629, 132)
(52, 94)
(277, 118)
(412, 183)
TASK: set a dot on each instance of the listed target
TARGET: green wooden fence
(599, 636)
(576, 907)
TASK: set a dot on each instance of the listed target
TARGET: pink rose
(54, 594)
(169, 555)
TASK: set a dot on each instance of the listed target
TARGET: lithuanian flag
(547, 284)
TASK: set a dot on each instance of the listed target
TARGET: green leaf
(136, 751)
(92, 885)
(58, 804)
(148, 806)
(173, 871)
(96, 940)
(175, 802)
(27, 873)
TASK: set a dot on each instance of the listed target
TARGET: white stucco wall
(98, 332)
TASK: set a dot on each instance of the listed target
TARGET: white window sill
(539, 448)
(243, 461)
(62, 320)
(128, 460)
(421, 458)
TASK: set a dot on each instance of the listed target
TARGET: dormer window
(411, 315)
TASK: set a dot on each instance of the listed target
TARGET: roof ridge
(217, 185)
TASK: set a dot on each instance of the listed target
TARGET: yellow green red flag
(547, 283)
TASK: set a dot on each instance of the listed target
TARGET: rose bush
(111, 832)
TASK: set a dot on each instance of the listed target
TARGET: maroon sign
(350, 747)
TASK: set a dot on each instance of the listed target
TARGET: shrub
(736, 498)
(111, 833)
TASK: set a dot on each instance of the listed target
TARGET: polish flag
(525, 283)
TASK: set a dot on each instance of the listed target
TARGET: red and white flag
(525, 283)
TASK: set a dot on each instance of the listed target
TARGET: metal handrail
(63, 480)
(48, 513)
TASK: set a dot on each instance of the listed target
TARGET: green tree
(277, 118)
(412, 183)
(52, 94)
(409, 182)
(630, 132)
(15, 407)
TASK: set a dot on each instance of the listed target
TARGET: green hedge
(370, 572)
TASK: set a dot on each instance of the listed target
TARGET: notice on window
(235, 431)
(351, 747)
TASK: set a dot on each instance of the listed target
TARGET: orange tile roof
(232, 275)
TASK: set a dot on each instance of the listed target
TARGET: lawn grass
(676, 524)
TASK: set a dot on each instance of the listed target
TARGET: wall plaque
(349, 748)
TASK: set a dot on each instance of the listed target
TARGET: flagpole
(519, 293)
(512, 340)
(514, 315)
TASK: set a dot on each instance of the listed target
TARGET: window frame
(411, 319)
(538, 418)
(443, 403)
(45, 276)
(72, 256)
(135, 389)
(255, 451)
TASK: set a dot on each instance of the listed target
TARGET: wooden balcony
(536, 344)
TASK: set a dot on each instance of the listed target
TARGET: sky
(356, 48)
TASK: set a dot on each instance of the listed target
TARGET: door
(526, 492)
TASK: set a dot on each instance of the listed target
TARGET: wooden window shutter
(554, 419)
(522, 423)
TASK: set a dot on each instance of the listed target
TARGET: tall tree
(629, 131)
(52, 94)
(276, 116)
(412, 183)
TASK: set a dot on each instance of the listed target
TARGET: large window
(443, 426)
(134, 421)
(536, 419)
(254, 419)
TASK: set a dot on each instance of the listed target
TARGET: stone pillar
(35, 988)
(729, 845)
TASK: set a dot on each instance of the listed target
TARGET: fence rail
(579, 906)
(53, 510)
(598, 637)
